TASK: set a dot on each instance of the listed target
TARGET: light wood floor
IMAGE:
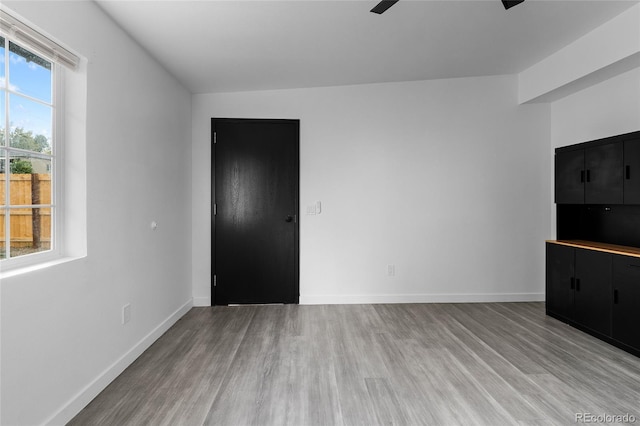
(422, 364)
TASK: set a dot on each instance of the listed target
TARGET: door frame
(296, 238)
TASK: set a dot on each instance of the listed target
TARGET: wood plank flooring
(413, 364)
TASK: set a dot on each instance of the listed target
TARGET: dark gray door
(560, 280)
(604, 174)
(593, 290)
(632, 171)
(626, 294)
(570, 177)
(255, 225)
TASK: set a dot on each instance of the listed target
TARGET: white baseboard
(201, 301)
(353, 299)
(342, 299)
(84, 397)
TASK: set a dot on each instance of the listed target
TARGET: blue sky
(30, 79)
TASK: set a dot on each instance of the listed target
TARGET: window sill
(25, 269)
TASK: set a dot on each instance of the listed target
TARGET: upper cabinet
(570, 177)
(606, 171)
(603, 174)
(632, 171)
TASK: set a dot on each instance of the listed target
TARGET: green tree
(21, 167)
(19, 138)
(42, 142)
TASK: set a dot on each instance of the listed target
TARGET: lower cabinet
(626, 300)
(595, 291)
(578, 286)
(560, 283)
(592, 302)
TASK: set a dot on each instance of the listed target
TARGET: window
(30, 145)
(27, 156)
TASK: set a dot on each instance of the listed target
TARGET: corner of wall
(72, 407)
(609, 50)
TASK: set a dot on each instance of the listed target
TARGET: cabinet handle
(573, 283)
(577, 284)
(581, 176)
(588, 175)
(627, 172)
(615, 297)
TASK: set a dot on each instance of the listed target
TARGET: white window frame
(14, 30)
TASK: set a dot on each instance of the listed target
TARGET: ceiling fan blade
(510, 3)
(386, 4)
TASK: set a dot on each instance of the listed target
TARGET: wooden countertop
(607, 248)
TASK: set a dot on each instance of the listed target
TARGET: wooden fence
(30, 227)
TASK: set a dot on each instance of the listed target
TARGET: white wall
(606, 109)
(606, 51)
(448, 179)
(62, 338)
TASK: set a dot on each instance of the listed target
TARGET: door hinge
(215, 137)
(215, 280)
(215, 209)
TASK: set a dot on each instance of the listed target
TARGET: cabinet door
(592, 303)
(603, 174)
(632, 171)
(559, 280)
(569, 175)
(626, 300)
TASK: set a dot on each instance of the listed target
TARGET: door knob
(289, 218)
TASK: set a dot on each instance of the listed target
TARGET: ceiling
(227, 46)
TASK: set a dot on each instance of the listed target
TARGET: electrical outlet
(391, 270)
(126, 313)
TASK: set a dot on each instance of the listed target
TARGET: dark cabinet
(593, 270)
(603, 174)
(592, 297)
(592, 175)
(632, 171)
(560, 282)
(626, 300)
(569, 173)
(578, 286)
